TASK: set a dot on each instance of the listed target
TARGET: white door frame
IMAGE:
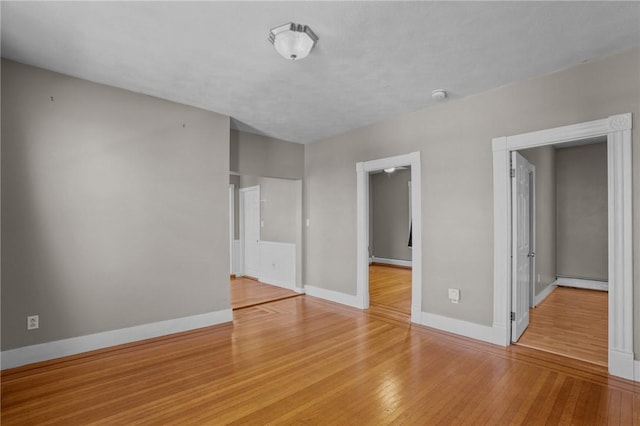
(617, 129)
(532, 237)
(232, 227)
(362, 199)
(241, 227)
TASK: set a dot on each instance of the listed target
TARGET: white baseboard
(396, 262)
(464, 328)
(622, 364)
(582, 283)
(75, 345)
(299, 290)
(544, 293)
(333, 296)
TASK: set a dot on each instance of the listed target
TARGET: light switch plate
(454, 295)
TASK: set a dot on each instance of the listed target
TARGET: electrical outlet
(454, 295)
(33, 322)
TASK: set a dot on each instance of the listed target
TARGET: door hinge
(513, 173)
(513, 316)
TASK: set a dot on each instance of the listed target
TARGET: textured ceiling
(374, 60)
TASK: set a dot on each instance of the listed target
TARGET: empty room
(319, 212)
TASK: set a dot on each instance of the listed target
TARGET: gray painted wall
(389, 213)
(454, 138)
(581, 177)
(280, 207)
(263, 156)
(111, 212)
(545, 239)
(255, 155)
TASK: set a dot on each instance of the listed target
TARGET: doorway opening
(412, 163)
(390, 242)
(617, 131)
(265, 239)
(567, 255)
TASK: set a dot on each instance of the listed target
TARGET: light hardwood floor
(304, 360)
(390, 291)
(571, 322)
(390, 286)
(247, 292)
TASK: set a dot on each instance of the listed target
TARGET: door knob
(532, 254)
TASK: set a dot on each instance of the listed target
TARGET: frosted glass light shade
(293, 41)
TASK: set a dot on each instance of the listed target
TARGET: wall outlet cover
(33, 322)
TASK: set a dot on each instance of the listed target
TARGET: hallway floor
(390, 292)
(246, 292)
(570, 322)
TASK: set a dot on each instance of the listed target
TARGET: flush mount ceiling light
(293, 41)
(393, 169)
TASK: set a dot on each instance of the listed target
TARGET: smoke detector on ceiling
(438, 95)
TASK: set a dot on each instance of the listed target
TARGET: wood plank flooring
(247, 292)
(390, 287)
(571, 322)
(305, 360)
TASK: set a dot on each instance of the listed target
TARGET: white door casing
(617, 130)
(250, 230)
(231, 225)
(532, 233)
(522, 245)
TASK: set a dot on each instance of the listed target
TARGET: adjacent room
(372, 212)
(390, 241)
(569, 254)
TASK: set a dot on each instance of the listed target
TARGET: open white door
(521, 247)
(250, 230)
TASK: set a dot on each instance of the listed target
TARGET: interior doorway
(568, 250)
(617, 131)
(390, 242)
(363, 171)
(265, 229)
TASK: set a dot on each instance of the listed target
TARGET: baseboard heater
(582, 282)
(387, 261)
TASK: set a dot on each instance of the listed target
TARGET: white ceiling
(374, 60)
